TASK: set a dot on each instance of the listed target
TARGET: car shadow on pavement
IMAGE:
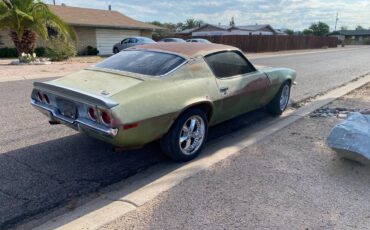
(40, 178)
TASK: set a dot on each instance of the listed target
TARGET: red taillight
(92, 113)
(46, 98)
(106, 118)
(39, 96)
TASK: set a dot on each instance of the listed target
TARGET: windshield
(142, 62)
(147, 40)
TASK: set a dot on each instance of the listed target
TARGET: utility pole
(336, 22)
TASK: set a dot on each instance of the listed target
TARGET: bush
(27, 58)
(8, 52)
(40, 51)
(91, 50)
(60, 49)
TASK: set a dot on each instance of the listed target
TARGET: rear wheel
(280, 102)
(115, 50)
(187, 136)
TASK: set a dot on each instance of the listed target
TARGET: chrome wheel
(284, 97)
(192, 135)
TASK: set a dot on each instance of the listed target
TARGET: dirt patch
(55, 69)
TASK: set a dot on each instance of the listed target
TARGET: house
(356, 35)
(216, 30)
(96, 28)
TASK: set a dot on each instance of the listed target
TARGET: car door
(132, 42)
(124, 43)
(241, 86)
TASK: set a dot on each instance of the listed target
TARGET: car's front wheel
(187, 136)
(280, 102)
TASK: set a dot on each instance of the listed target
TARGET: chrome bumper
(79, 123)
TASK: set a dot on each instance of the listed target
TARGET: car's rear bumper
(79, 124)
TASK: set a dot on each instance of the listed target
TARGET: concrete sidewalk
(291, 180)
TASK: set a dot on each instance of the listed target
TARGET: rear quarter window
(142, 62)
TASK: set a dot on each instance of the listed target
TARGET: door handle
(224, 89)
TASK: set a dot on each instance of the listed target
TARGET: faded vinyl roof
(77, 16)
(187, 49)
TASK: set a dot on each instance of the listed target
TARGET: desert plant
(27, 18)
(27, 58)
(59, 49)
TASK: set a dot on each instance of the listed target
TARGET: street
(44, 167)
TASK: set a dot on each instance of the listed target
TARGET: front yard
(18, 72)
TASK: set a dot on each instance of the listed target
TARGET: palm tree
(191, 23)
(27, 19)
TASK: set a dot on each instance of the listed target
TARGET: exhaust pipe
(54, 122)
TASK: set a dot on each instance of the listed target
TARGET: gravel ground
(291, 180)
(54, 69)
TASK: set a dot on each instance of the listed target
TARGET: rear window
(142, 62)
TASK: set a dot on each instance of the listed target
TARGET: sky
(292, 14)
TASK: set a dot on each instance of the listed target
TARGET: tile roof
(77, 16)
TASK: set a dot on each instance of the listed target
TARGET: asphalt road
(43, 167)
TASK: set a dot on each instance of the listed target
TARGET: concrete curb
(142, 188)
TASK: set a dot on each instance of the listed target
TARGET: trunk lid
(98, 83)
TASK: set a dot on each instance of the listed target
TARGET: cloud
(295, 14)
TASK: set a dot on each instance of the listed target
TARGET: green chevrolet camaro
(167, 91)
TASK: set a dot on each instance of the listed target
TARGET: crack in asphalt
(303, 102)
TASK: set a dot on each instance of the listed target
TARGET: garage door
(105, 39)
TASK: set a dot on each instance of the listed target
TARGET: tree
(289, 32)
(319, 28)
(27, 18)
(359, 27)
(232, 22)
(191, 23)
(307, 32)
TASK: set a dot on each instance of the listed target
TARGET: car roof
(187, 49)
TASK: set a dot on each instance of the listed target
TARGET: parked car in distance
(178, 40)
(130, 42)
(198, 40)
(167, 91)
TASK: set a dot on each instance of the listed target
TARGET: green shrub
(91, 50)
(40, 51)
(8, 52)
(60, 49)
(367, 42)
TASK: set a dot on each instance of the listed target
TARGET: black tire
(170, 143)
(275, 106)
(115, 50)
